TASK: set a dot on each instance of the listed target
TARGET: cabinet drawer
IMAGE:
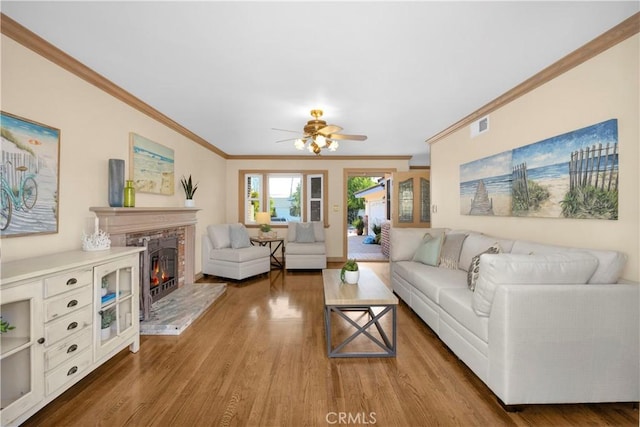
(68, 372)
(68, 281)
(67, 303)
(68, 325)
(67, 349)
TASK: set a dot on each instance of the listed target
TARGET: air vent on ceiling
(480, 126)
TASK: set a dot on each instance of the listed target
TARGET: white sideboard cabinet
(57, 306)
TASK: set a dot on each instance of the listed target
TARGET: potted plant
(349, 272)
(189, 190)
(358, 223)
(107, 319)
(5, 326)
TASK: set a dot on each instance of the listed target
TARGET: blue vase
(116, 183)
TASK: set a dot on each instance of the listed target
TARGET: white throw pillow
(514, 269)
(239, 236)
(219, 236)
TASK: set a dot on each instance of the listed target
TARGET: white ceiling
(398, 72)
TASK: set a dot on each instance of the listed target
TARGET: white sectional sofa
(545, 324)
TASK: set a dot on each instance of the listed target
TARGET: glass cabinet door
(411, 205)
(21, 350)
(116, 305)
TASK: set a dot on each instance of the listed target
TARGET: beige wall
(602, 88)
(95, 127)
(336, 197)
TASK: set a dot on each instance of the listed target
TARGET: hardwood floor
(258, 358)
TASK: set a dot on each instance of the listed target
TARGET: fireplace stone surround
(124, 223)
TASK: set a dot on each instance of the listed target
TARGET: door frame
(355, 172)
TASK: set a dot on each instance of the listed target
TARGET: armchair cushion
(219, 235)
(318, 231)
(305, 233)
(239, 236)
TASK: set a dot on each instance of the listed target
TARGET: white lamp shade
(263, 218)
(321, 141)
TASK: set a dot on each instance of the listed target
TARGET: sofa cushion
(557, 268)
(474, 267)
(610, 263)
(318, 231)
(458, 303)
(219, 236)
(239, 255)
(294, 248)
(403, 242)
(430, 280)
(429, 250)
(451, 247)
(239, 236)
(477, 243)
(305, 233)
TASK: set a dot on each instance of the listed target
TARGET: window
(287, 196)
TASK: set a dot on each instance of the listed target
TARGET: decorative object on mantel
(29, 172)
(189, 190)
(96, 239)
(349, 273)
(129, 194)
(264, 220)
(116, 183)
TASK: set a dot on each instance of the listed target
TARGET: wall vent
(480, 126)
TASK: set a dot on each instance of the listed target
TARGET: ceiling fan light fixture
(320, 140)
(299, 144)
(333, 145)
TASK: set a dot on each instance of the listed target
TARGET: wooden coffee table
(371, 297)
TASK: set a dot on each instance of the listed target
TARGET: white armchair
(227, 252)
(305, 246)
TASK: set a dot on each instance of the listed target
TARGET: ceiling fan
(318, 135)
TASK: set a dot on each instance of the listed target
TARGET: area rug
(172, 314)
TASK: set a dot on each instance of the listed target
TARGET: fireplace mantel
(120, 221)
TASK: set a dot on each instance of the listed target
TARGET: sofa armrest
(565, 343)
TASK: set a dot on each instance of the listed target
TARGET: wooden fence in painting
(594, 166)
(519, 182)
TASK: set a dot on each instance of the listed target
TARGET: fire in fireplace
(163, 261)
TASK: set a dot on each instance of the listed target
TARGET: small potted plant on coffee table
(349, 272)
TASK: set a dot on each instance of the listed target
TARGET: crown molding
(37, 44)
(314, 157)
(615, 35)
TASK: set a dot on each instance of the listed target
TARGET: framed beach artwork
(151, 166)
(29, 173)
(573, 175)
(485, 186)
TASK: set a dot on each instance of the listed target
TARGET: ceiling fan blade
(329, 129)
(286, 130)
(341, 137)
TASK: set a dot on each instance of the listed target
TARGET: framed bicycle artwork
(29, 174)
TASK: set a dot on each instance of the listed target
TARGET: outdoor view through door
(366, 216)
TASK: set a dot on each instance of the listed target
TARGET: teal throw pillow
(429, 250)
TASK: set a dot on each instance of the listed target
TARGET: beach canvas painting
(151, 166)
(573, 175)
(485, 186)
(29, 174)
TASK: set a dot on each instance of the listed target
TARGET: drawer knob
(72, 303)
(72, 348)
(72, 371)
(41, 341)
(72, 325)
(72, 281)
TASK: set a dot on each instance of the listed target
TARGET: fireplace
(169, 227)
